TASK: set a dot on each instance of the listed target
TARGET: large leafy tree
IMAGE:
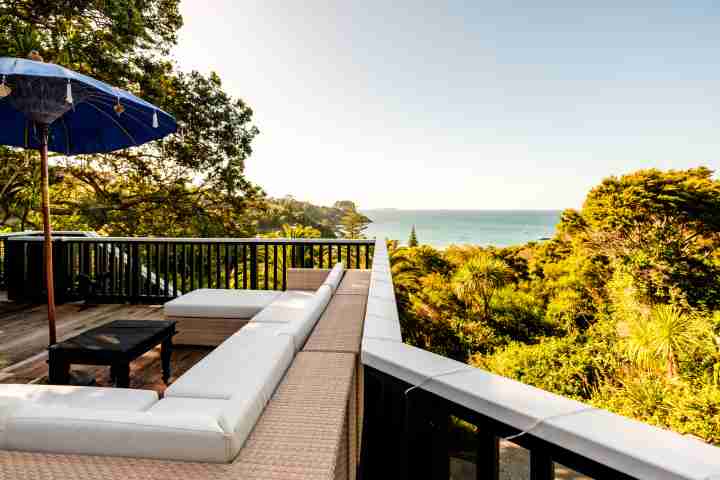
(189, 184)
(665, 228)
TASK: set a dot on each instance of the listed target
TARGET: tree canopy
(621, 308)
(192, 183)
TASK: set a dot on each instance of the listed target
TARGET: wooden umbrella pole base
(47, 230)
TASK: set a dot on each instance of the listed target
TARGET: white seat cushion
(288, 307)
(335, 275)
(101, 398)
(236, 416)
(299, 330)
(244, 362)
(213, 303)
(194, 437)
(16, 396)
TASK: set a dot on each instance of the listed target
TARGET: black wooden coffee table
(115, 344)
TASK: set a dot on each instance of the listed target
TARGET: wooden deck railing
(410, 394)
(154, 270)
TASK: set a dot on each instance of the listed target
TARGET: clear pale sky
(472, 105)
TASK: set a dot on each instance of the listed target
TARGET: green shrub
(687, 408)
(569, 366)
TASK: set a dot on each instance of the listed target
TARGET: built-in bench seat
(207, 413)
(208, 316)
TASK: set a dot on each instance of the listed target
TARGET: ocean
(441, 228)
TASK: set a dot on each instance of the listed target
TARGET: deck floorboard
(23, 329)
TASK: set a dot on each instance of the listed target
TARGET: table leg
(58, 371)
(165, 354)
(121, 372)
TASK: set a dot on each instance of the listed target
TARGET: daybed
(206, 415)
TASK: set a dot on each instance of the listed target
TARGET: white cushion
(335, 275)
(101, 398)
(236, 416)
(300, 329)
(178, 436)
(245, 362)
(8, 406)
(288, 307)
(214, 303)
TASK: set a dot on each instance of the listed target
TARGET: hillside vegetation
(621, 308)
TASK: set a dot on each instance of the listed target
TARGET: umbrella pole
(47, 230)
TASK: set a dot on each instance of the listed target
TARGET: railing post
(487, 460)
(541, 465)
(425, 437)
(253, 267)
(135, 272)
(383, 427)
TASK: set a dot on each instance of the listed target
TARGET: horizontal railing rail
(410, 395)
(155, 270)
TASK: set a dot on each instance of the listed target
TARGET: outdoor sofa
(209, 316)
(206, 415)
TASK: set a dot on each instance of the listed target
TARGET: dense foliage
(621, 308)
(190, 184)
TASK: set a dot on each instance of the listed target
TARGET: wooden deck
(24, 334)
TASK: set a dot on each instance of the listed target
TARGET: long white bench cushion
(214, 303)
(288, 307)
(335, 275)
(101, 398)
(194, 437)
(236, 416)
(15, 396)
(299, 330)
(241, 364)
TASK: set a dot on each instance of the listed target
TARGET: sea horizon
(441, 228)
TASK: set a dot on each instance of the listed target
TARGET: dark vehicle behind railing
(5, 237)
(154, 270)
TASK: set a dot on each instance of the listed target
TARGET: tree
(191, 183)
(478, 280)
(413, 241)
(665, 228)
(663, 336)
(353, 224)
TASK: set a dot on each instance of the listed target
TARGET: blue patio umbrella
(44, 107)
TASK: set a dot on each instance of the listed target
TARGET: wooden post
(47, 230)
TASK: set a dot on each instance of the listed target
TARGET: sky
(463, 104)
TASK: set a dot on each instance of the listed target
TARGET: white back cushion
(247, 361)
(299, 330)
(195, 437)
(215, 303)
(335, 275)
(289, 306)
(236, 416)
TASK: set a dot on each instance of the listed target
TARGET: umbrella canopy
(81, 112)
(48, 107)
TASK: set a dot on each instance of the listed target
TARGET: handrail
(428, 387)
(204, 240)
(155, 270)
